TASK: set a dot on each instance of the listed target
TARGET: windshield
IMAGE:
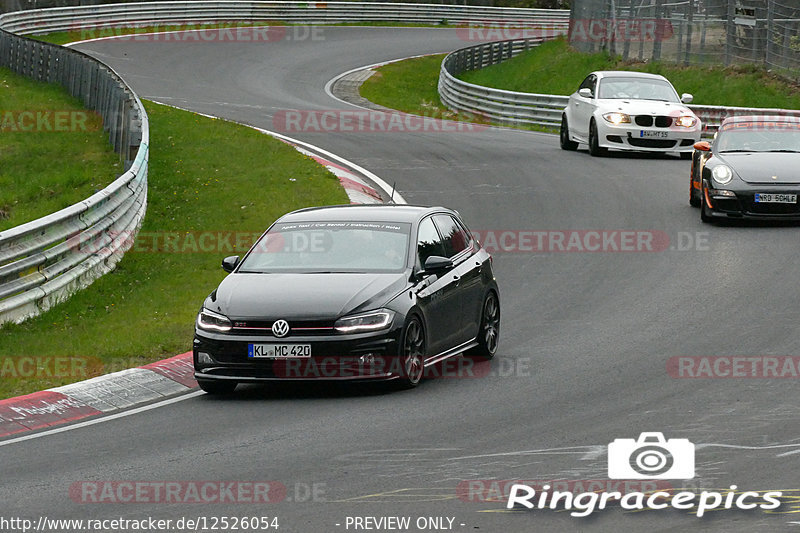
(325, 247)
(759, 137)
(638, 89)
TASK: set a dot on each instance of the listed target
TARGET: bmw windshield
(327, 247)
(638, 89)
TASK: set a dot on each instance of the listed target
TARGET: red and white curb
(96, 396)
(171, 377)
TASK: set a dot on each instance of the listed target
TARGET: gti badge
(280, 328)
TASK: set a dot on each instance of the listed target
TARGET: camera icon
(651, 457)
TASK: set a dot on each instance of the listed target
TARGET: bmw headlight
(617, 118)
(372, 321)
(686, 121)
(211, 321)
(722, 174)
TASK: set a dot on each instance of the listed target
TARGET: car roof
(760, 118)
(628, 74)
(361, 212)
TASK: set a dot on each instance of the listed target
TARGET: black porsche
(750, 170)
(349, 293)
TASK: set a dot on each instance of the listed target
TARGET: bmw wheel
(566, 143)
(412, 356)
(594, 144)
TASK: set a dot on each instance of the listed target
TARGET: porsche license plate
(773, 198)
(278, 351)
(649, 134)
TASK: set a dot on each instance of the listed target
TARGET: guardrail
(519, 109)
(46, 260)
(183, 12)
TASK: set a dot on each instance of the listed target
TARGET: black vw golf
(751, 170)
(349, 293)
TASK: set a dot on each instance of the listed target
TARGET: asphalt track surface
(584, 346)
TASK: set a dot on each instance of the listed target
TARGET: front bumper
(357, 357)
(633, 137)
(743, 204)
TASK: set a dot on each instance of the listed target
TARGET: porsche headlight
(686, 121)
(372, 321)
(617, 118)
(211, 321)
(722, 174)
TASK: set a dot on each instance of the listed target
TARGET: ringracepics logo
(650, 457)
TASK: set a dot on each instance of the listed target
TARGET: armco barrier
(518, 108)
(44, 261)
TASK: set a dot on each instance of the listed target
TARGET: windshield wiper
(736, 151)
(785, 151)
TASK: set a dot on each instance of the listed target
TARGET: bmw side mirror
(436, 264)
(229, 263)
(703, 146)
(687, 98)
(586, 93)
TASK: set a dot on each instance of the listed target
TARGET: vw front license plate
(647, 134)
(278, 351)
(772, 198)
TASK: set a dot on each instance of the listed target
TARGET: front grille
(771, 209)
(660, 121)
(651, 143)
(296, 327)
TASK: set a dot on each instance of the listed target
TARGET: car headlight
(722, 174)
(617, 118)
(211, 321)
(686, 121)
(372, 321)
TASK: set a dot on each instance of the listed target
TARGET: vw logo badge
(280, 328)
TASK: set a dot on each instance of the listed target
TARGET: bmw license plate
(772, 198)
(649, 134)
(278, 351)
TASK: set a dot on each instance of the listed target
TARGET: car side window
(454, 237)
(428, 241)
(589, 83)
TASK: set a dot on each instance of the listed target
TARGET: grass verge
(207, 177)
(555, 68)
(78, 160)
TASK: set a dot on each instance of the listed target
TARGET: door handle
(456, 279)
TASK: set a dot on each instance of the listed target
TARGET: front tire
(489, 332)
(566, 143)
(412, 354)
(217, 387)
(704, 216)
(594, 143)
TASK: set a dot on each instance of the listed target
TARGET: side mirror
(703, 146)
(229, 263)
(436, 264)
(586, 93)
(687, 98)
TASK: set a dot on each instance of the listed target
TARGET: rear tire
(489, 332)
(217, 387)
(566, 143)
(594, 144)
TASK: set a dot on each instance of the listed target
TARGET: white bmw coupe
(629, 111)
